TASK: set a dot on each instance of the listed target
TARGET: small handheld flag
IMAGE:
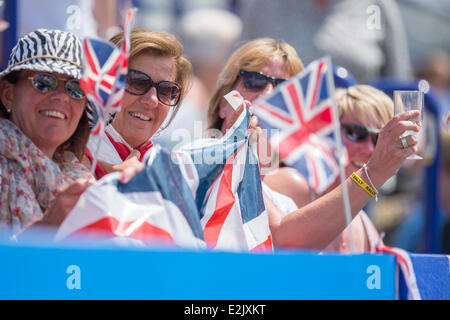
(105, 68)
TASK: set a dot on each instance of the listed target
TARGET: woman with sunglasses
(44, 130)
(157, 79)
(254, 69)
(363, 112)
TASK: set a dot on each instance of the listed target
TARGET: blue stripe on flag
(277, 101)
(301, 165)
(250, 190)
(164, 176)
(326, 167)
(102, 49)
(304, 82)
(210, 160)
(323, 89)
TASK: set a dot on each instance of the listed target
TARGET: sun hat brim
(46, 64)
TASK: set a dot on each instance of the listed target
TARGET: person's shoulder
(287, 176)
(291, 183)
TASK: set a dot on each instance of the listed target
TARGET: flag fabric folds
(302, 124)
(102, 61)
(105, 68)
(208, 194)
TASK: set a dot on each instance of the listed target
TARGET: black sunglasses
(359, 133)
(257, 81)
(139, 83)
(43, 82)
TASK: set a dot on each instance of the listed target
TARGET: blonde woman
(363, 112)
(255, 69)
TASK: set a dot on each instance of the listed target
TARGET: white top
(283, 202)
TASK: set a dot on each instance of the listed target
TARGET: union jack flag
(101, 63)
(104, 71)
(207, 194)
(302, 123)
(116, 97)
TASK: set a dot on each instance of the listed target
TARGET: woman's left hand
(129, 168)
(257, 135)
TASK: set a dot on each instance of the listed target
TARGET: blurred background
(386, 43)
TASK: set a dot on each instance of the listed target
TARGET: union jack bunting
(101, 63)
(302, 124)
(207, 194)
(405, 265)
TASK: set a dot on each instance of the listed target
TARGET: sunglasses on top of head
(139, 83)
(257, 81)
(43, 83)
(359, 133)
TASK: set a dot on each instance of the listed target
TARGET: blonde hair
(364, 102)
(161, 44)
(251, 55)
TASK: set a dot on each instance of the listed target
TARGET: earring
(8, 110)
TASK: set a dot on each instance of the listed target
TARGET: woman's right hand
(389, 154)
(64, 202)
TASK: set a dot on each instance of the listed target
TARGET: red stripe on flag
(387, 249)
(88, 54)
(265, 246)
(275, 114)
(298, 137)
(319, 74)
(225, 201)
(112, 227)
(97, 128)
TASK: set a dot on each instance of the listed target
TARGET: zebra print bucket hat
(53, 51)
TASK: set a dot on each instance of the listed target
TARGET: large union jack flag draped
(302, 123)
(207, 194)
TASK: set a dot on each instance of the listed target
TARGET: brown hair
(251, 55)
(77, 142)
(161, 44)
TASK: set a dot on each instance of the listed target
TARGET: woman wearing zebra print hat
(43, 131)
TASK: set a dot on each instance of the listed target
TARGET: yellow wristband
(363, 184)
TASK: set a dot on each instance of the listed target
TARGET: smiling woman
(296, 220)
(43, 127)
(156, 83)
(363, 112)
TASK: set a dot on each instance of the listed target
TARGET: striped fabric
(207, 194)
(45, 50)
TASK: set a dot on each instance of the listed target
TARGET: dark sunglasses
(257, 81)
(359, 133)
(47, 82)
(139, 83)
